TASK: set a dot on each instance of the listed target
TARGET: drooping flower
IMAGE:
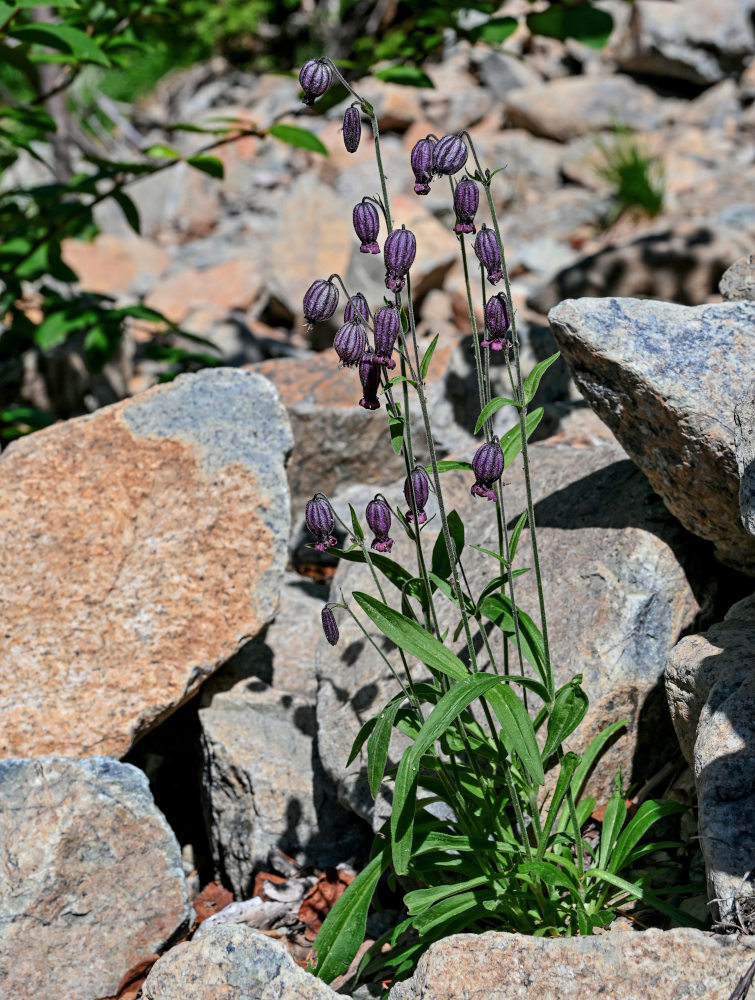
(422, 164)
(349, 343)
(320, 301)
(399, 253)
(329, 625)
(358, 308)
(387, 327)
(466, 203)
(497, 323)
(367, 226)
(369, 376)
(378, 515)
(418, 484)
(488, 254)
(488, 468)
(320, 520)
(315, 77)
(352, 129)
(450, 155)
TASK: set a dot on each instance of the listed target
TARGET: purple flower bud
(329, 625)
(497, 322)
(367, 226)
(387, 327)
(422, 164)
(399, 253)
(418, 484)
(359, 308)
(315, 77)
(450, 155)
(466, 203)
(320, 520)
(349, 343)
(488, 254)
(320, 301)
(488, 467)
(379, 519)
(352, 129)
(369, 376)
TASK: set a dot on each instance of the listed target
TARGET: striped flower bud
(320, 301)
(358, 308)
(488, 468)
(319, 518)
(399, 253)
(349, 343)
(422, 165)
(466, 203)
(497, 322)
(419, 485)
(369, 376)
(315, 77)
(387, 327)
(352, 129)
(488, 254)
(367, 226)
(329, 625)
(450, 155)
(378, 515)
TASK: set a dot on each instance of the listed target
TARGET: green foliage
(636, 177)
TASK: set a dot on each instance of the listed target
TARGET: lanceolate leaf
(207, 165)
(441, 564)
(407, 76)
(300, 137)
(498, 608)
(448, 465)
(517, 731)
(378, 743)
(428, 358)
(511, 442)
(492, 407)
(533, 379)
(63, 38)
(393, 572)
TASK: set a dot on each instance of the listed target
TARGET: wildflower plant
(487, 729)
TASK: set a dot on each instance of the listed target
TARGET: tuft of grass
(636, 177)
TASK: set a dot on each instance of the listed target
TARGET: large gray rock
(91, 881)
(738, 281)
(623, 965)
(232, 962)
(141, 546)
(744, 440)
(664, 378)
(622, 580)
(710, 685)
(687, 40)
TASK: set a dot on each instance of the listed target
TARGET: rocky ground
(162, 611)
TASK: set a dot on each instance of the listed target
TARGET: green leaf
(343, 931)
(569, 708)
(568, 764)
(517, 731)
(129, 209)
(613, 820)
(361, 739)
(302, 138)
(492, 407)
(391, 570)
(139, 311)
(495, 31)
(585, 23)
(547, 872)
(441, 564)
(161, 151)
(595, 748)
(511, 442)
(498, 608)
(533, 379)
(448, 465)
(516, 534)
(420, 899)
(63, 38)
(411, 637)
(396, 428)
(648, 814)
(378, 743)
(356, 527)
(425, 364)
(454, 701)
(406, 76)
(207, 165)
(100, 344)
(645, 896)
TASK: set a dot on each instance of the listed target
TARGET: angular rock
(623, 965)
(155, 535)
(91, 883)
(664, 378)
(622, 579)
(710, 685)
(111, 265)
(232, 962)
(738, 281)
(687, 41)
(744, 440)
(572, 106)
(233, 284)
